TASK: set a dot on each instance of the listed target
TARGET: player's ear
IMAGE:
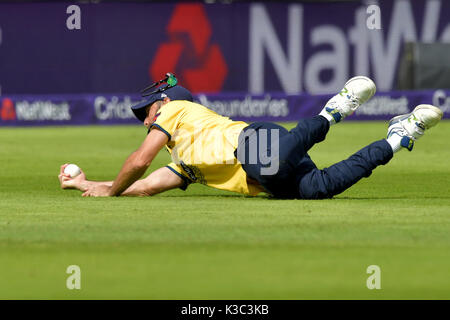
(166, 100)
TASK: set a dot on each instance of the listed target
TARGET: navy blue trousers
(297, 176)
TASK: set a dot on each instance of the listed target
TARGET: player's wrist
(111, 192)
(83, 185)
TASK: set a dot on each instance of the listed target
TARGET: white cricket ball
(72, 170)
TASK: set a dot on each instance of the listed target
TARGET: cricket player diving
(248, 159)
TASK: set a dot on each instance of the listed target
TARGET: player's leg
(308, 132)
(295, 145)
(402, 132)
(290, 153)
(326, 183)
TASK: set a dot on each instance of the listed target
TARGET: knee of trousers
(317, 126)
(313, 186)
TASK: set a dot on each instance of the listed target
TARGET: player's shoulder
(181, 105)
(177, 105)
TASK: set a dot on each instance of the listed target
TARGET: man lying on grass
(261, 157)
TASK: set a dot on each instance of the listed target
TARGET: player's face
(151, 112)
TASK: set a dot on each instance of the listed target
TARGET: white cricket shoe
(356, 91)
(412, 126)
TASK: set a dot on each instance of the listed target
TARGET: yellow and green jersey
(202, 145)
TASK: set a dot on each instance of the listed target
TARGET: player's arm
(160, 180)
(134, 167)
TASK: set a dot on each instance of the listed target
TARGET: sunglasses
(169, 79)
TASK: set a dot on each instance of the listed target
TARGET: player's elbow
(142, 164)
(154, 186)
(139, 189)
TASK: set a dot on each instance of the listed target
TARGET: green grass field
(210, 244)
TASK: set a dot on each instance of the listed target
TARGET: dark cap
(174, 93)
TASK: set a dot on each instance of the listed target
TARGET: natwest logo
(203, 68)
(42, 110)
(7, 111)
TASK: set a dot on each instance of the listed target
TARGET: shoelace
(351, 100)
(401, 130)
(354, 101)
(418, 128)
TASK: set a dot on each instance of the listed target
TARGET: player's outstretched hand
(70, 183)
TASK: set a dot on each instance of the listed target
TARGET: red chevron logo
(7, 111)
(199, 65)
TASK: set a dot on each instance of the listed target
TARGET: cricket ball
(72, 170)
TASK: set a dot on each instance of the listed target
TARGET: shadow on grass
(237, 196)
(267, 197)
(390, 198)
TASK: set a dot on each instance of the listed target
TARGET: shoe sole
(429, 107)
(372, 84)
